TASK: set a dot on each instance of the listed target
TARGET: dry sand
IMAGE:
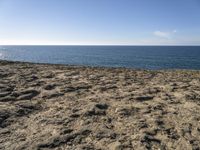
(85, 108)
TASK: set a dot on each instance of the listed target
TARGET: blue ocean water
(144, 57)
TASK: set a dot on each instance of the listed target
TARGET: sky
(99, 22)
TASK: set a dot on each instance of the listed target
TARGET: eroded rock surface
(76, 108)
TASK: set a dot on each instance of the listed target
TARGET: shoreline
(53, 106)
(90, 66)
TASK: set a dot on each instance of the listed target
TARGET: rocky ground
(85, 108)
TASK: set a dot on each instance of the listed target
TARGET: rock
(32, 78)
(69, 89)
(144, 98)
(84, 131)
(49, 87)
(28, 94)
(195, 144)
(53, 94)
(96, 109)
(3, 94)
(54, 142)
(172, 133)
(76, 88)
(102, 106)
(159, 122)
(86, 146)
(142, 124)
(74, 115)
(187, 129)
(4, 88)
(126, 111)
(48, 75)
(151, 132)
(7, 99)
(153, 90)
(15, 94)
(28, 105)
(66, 131)
(115, 146)
(107, 87)
(64, 139)
(3, 74)
(4, 114)
(193, 96)
(4, 131)
(148, 138)
(26, 108)
(105, 134)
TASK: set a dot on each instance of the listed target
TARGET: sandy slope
(66, 107)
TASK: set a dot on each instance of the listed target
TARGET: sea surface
(143, 57)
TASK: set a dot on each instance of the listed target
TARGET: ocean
(139, 57)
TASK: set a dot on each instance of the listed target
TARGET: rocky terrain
(85, 108)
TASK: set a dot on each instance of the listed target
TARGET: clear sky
(100, 22)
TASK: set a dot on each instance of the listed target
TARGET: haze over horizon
(89, 22)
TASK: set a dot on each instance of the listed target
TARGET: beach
(45, 106)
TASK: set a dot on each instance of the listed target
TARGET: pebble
(144, 98)
(115, 146)
(96, 109)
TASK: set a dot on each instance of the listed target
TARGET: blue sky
(100, 22)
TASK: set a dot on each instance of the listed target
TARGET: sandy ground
(85, 108)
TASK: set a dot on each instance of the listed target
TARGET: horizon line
(92, 45)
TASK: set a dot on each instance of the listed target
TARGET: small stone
(148, 138)
(74, 115)
(96, 109)
(4, 114)
(101, 106)
(151, 132)
(126, 111)
(51, 95)
(66, 131)
(49, 87)
(115, 146)
(144, 98)
(105, 133)
(159, 122)
(5, 131)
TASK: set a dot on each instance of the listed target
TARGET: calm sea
(145, 57)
